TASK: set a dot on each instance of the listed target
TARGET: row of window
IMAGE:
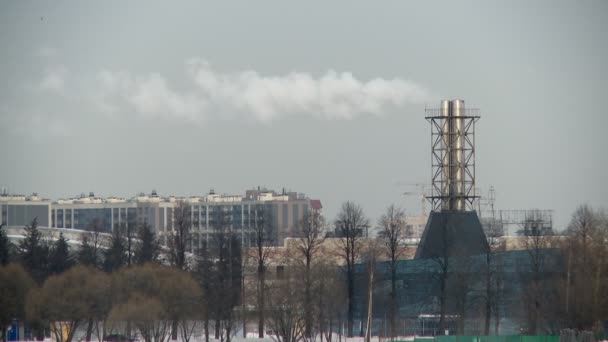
(24, 214)
(202, 216)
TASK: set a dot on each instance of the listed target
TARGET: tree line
(562, 279)
(127, 283)
(134, 284)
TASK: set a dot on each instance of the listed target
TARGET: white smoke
(54, 80)
(247, 94)
(146, 96)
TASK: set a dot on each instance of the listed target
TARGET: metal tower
(453, 227)
(453, 156)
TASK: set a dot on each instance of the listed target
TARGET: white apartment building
(20, 210)
(285, 211)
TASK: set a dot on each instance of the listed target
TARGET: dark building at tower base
(452, 233)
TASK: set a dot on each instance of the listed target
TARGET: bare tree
(148, 316)
(329, 292)
(179, 239)
(492, 273)
(371, 255)
(153, 297)
(204, 274)
(393, 233)
(129, 234)
(91, 241)
(585, 249)
(179, 242)
(226, 275)
(535, 242)
(307, 246)
(66, 307)
(351, 224)
(263, 238)
(286, 308)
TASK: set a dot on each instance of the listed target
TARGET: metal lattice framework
(450, 136)
(529, 222)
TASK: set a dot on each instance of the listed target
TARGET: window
(131, 215)
(285, 214)
(169, 218)
(68, 219)
(161, 217)
(75, 218)
(4, 213)
(59, 218)
(296, 215)
(123, 214)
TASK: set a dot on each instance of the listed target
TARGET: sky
(323, 98)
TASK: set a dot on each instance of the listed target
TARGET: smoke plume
(252, 96)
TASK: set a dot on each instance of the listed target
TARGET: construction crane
(492, 198)
(422, 193)
(486, 202)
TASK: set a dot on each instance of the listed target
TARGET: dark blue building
(418, 291)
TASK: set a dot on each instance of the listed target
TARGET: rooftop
(259, 194)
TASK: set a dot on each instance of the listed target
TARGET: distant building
(19, 210)
(285, 211)
(414, 226)
(84, 212)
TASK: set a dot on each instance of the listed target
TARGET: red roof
(316, 204)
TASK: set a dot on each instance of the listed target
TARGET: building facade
(19, 210)
(103, 214)
(284, 212)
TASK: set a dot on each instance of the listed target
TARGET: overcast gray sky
(325, 98)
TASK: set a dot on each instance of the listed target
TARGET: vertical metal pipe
(450, 151)
(453, 156)
(445, 154)
(457, 158)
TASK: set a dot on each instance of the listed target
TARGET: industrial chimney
(453, 226)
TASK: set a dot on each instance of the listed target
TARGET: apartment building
(285, 211)
(20, 210)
